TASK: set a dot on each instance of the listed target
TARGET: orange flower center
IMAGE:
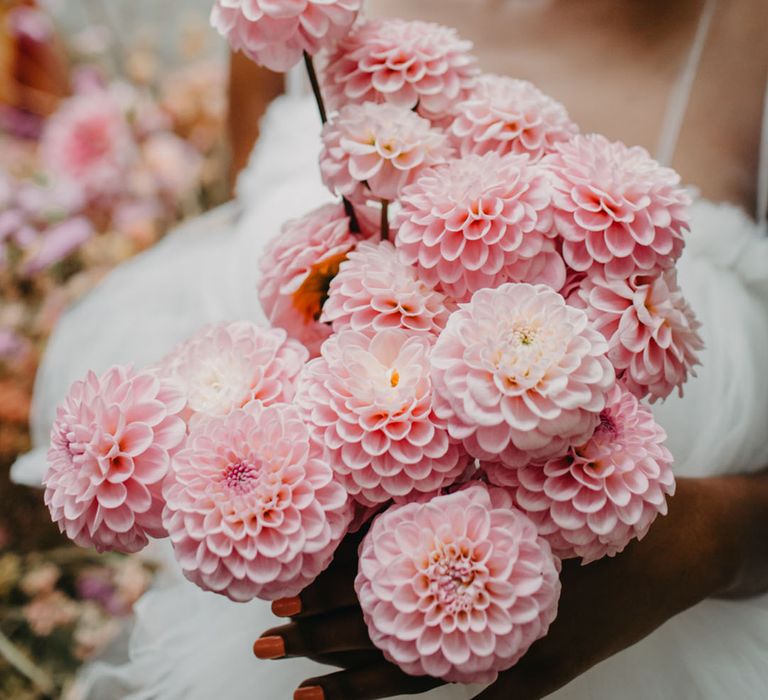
(308, 299)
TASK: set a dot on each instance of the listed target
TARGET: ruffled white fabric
(196, 646)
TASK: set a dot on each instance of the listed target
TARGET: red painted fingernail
(312, 692)
(268, 648)
(287, 607)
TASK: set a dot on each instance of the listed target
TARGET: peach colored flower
(275, 33)
(477, 222)
(416, 65)
(374, 291)
(174, 165)
(111, 446)
(41, 580)
(297, 268)
(369, 400)
(457, 588)
(510, 116)
(225, 366)
(379, 148)
(652, 332)
(599, 497)
(617, 210)
(519, 375)
(252, 508)
(48, 612)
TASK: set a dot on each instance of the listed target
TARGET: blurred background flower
(93, 94)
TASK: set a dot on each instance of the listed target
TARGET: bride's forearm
(746, 528)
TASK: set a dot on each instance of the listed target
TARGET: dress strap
(681, 93)
(762, 175)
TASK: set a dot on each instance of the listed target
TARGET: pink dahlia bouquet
(466, 378)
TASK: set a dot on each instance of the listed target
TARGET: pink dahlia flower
(111, 447)
(599, 497)
(369, 400)
(416, 65)
(89, 144)
(457, 588)
(374, 291)
(519, 375)
(652, 332)
(252, 508)
(381, 145)
(477, 222)
(616, 209)
(297, 268)
(225, 366)
(510, 116)
(275, 33)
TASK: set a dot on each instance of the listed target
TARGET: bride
(686, 79)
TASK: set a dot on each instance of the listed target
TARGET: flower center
(310, 297)
(524, 335)
(91, 141)
(607, 424)
(241, 477)
(521, 353)
(453, 578)
(218, 383)
(394, 377)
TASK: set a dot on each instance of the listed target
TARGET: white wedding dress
(190, 645)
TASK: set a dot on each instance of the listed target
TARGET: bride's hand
(699, 550)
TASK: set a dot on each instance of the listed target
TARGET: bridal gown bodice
(191, 645)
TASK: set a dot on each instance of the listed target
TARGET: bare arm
(750, 498)
(251, 89)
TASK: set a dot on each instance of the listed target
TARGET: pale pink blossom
(225, 366)
(599, 497)
(252, 507)
(46, 613)
(88, 142)
(651, 330)
(111, 446)
(457, 588)
(617, 210)
(510, 116)
(297, 268)
(174, 164)
(369, 400)
(477, 222)
(41, 580)
(374, 290)
(413, 64)
(275, 33)
(378, 148)
(519, 375)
